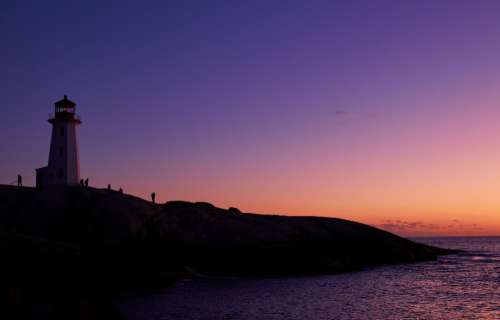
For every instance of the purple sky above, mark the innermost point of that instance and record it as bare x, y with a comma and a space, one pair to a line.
237, 102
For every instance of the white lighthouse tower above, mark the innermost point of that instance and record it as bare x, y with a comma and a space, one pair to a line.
63, 167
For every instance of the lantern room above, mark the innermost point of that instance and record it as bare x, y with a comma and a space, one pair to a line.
65, 105
64, 109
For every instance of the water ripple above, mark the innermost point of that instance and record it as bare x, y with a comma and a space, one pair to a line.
462, 286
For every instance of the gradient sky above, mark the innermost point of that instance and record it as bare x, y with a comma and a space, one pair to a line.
385, 112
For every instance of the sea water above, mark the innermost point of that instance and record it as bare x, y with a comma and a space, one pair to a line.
459, 286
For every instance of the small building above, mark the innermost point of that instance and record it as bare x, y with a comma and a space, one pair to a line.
63, 167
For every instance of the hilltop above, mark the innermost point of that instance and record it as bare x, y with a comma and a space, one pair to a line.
90, 243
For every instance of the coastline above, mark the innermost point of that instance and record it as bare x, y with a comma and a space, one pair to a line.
70, 250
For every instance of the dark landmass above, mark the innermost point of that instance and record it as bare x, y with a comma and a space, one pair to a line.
66, 250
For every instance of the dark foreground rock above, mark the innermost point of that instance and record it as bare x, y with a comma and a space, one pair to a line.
66, 251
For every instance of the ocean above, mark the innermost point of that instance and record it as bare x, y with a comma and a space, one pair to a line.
460, 286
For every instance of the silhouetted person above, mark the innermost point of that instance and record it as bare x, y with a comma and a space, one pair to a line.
87, 183
81, 183
120, 190
109, 187
153, 196
19, 180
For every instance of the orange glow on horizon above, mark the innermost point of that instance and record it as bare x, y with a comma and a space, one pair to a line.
420, 175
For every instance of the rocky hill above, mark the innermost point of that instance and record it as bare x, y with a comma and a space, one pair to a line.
82, 245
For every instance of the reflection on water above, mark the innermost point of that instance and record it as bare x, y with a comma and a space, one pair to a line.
463, 286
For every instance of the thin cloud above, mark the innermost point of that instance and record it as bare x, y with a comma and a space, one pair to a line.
340, 113
418, 227
401, 226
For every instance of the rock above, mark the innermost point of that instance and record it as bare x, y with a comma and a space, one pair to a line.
77, 242
234, 210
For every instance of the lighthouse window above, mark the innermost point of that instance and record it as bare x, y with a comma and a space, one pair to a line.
62, 131
59, 173
61, 151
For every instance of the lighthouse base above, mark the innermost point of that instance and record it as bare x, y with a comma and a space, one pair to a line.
42, 175
49, 176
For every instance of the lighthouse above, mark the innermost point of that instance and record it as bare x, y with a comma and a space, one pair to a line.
63, 167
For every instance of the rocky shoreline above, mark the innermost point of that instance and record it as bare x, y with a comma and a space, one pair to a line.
67, 251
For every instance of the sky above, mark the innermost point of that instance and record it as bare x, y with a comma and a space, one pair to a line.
383, 112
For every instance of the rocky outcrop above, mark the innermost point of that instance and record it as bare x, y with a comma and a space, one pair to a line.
81, 245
